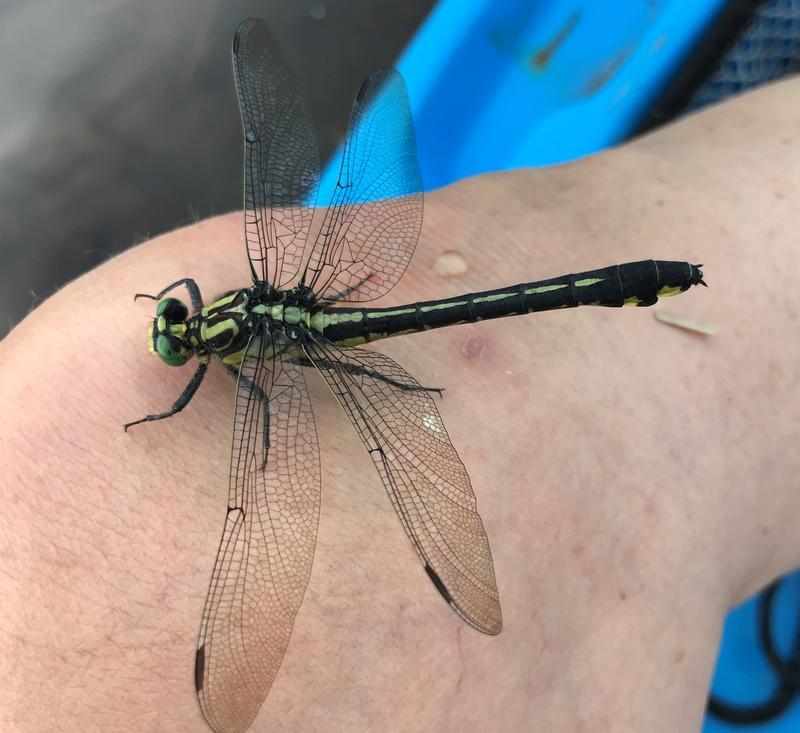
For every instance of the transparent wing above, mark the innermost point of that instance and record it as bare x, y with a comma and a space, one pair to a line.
267, 545
281, 156
374, 219
426, 480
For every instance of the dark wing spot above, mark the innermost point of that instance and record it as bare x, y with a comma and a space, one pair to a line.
437, 581
199, 667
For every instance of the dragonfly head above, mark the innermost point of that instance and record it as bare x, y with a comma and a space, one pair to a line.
167, 337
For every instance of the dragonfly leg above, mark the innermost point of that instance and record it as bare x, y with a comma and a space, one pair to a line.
191, 286
181, 402
359, 371
262, 397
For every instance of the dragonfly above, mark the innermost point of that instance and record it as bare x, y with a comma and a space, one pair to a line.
304, 311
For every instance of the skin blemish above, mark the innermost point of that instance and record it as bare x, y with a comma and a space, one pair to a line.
474, 347
451, 264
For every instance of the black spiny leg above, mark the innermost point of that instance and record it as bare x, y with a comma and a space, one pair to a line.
191, 286
258, 393
357, 370
181, 402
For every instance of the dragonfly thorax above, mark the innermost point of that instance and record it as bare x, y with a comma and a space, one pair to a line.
289, 312
225, 327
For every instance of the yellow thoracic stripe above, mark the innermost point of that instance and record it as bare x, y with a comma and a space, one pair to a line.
221, 303
235, 358
209, 331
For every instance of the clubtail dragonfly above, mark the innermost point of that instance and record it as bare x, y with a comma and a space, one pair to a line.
291, 319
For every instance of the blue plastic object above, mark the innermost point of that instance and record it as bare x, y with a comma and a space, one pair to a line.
743, 675
499, 84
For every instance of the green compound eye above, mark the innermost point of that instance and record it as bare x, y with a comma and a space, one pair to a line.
172, 309
168, 354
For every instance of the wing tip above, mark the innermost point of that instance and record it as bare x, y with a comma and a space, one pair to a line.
492, 627
489, 623
246, 26
495, 627
379, 79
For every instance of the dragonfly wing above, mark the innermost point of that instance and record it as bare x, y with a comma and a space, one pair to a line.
374, 219
267, 546
281, 156
426, 480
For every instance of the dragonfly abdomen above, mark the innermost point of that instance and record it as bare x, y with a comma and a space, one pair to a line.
634, 283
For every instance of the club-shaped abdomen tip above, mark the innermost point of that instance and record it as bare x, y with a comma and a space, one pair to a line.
697, 276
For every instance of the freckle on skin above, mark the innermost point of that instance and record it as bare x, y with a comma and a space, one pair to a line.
623, 596
679, 656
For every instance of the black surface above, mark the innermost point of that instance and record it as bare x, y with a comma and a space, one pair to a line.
700, 63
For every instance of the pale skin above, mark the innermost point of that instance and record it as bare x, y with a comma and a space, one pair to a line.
635, 480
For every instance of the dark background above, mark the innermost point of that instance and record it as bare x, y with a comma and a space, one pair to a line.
119, 118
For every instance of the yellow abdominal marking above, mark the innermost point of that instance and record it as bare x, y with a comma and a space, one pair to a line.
441, 306
385, 314
668, 291
331, 319
494, 298
318, 321
588, 281
545, 288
